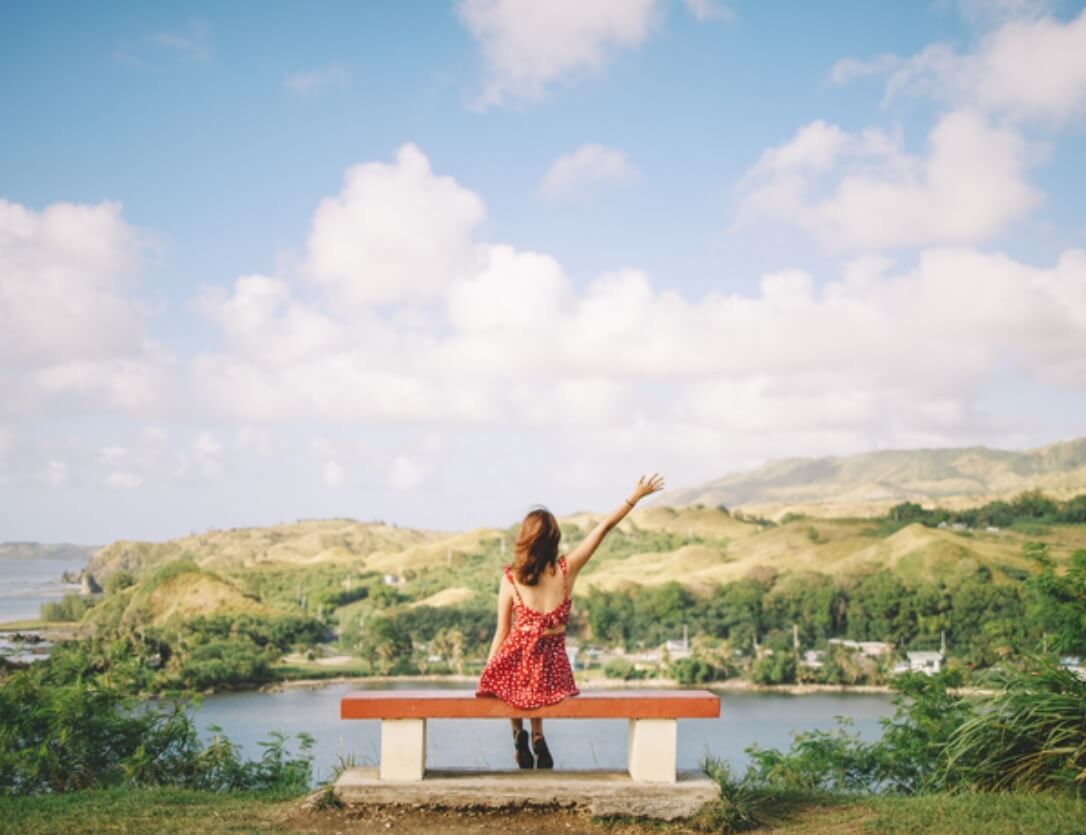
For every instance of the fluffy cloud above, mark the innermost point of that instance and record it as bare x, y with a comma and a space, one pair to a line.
513, 343
405, 473
527, 46
316, 80
70, 331
1030, 68
865, 192
588, 165
706, 10
395, 233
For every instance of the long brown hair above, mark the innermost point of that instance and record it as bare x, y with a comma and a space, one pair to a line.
537, 545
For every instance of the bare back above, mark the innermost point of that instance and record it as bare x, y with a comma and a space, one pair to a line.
548, 593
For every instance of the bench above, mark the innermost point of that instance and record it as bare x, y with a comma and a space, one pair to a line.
651, 738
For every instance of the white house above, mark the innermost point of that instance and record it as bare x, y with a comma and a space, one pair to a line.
929, 662
812, 658
678, 649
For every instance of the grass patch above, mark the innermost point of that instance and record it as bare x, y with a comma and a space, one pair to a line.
163, 810
990, 813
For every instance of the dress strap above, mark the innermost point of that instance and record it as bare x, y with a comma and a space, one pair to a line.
512, 582
565, 576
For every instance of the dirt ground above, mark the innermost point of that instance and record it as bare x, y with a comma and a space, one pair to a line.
430, 822
816, 820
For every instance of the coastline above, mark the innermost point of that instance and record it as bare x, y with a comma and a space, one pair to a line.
734, 685
726, 686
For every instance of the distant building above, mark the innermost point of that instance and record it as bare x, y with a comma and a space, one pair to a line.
1074, 665
393, 580
872, 649
677, 649
929, 662
813, 658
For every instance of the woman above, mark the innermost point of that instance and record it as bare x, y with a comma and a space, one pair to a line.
528, 666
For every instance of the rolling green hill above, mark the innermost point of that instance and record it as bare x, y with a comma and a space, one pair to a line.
867, 484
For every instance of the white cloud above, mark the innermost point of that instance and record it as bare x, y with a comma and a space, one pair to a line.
848, 69
1029, 68
405, 473
590, 164
70, 333
707, 10
193, 41
516, 344
55, 473
396, 233
865, 192
528, 46
333, 475
1000, 11
121, 480
317, 80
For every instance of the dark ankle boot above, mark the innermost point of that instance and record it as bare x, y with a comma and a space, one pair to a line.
524, 755
543, 757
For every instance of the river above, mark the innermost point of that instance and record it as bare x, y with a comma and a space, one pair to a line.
747, 718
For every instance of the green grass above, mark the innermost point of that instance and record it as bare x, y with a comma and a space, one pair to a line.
145, 810
992, 814
183, 811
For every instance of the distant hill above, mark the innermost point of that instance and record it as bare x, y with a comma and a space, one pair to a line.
867, 484
43, 551
179, 591
305, 543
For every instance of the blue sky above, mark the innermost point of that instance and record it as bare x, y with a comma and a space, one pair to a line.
580, 241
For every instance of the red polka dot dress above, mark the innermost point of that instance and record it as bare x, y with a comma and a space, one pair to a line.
530, 668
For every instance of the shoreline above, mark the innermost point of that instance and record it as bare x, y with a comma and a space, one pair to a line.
726, 686
734, 685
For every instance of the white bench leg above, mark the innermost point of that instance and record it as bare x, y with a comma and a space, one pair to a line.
652, 746
403, 749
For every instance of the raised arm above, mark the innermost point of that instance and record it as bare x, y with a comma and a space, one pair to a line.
583, 552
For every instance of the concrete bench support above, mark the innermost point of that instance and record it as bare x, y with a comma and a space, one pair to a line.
403, 749
652, 749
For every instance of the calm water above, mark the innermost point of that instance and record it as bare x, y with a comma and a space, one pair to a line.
26, 584
577, 743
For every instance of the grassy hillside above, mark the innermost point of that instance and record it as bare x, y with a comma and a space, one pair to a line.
293, 566
828, 546
304, 543
175, 593
867, 484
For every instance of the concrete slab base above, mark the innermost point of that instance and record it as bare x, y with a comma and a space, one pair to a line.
603, 793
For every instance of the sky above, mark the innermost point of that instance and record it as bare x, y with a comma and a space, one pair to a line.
434, 263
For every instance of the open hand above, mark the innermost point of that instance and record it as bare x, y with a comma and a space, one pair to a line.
647, 486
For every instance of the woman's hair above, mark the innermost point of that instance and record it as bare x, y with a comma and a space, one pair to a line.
537, 545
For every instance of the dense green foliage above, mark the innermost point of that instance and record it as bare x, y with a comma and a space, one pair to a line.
1031, 509
1030, 735
61, 734
71, 607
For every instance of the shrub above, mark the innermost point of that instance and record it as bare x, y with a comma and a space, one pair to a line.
87, 735
623, 669
71, 607
1030, 737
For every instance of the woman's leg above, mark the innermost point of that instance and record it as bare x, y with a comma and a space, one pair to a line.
543, 758
518, 724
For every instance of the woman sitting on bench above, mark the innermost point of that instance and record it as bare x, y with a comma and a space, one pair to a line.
528, 666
